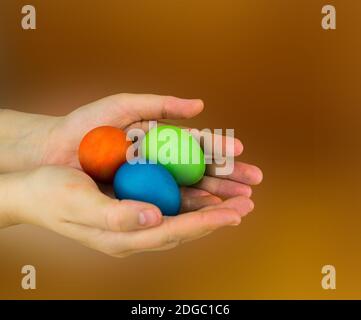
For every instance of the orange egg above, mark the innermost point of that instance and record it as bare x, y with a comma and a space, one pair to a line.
102, 151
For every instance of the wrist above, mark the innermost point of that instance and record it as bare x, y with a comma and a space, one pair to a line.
23, 139
10, 199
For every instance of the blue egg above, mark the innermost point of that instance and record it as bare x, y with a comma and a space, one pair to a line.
148, 182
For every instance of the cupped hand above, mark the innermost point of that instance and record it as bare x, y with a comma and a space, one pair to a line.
67, 201
127, 111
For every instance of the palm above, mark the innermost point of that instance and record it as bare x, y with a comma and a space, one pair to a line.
64, 140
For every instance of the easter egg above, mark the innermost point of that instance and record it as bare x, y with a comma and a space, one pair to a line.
102, 151
148, 182
177, 150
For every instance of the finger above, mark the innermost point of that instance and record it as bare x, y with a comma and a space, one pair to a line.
216, 145
121, 244
93, 238
106, 242
193, 192
223, 188
191, 225
177, 229
169, 234
87, 236
99, 211
221, 146
242, 172
196, 203
242, 205
153, 107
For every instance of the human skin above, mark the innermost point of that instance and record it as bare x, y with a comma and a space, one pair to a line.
42, 182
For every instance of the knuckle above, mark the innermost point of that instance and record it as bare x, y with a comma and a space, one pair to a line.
248, 174
119, 97
113, 220
169, 236
165, 103
137, 244
204, 222
110, 247
221, 186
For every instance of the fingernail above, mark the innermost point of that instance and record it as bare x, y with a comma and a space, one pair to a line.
259, 176
195, 101
236, 223
190, 100
148, 217
251, 205
246, 190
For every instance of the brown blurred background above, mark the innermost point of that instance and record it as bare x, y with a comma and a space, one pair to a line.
290, 89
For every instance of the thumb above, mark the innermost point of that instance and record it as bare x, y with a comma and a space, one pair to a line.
123, 109
154, 107
128, 215
117, 215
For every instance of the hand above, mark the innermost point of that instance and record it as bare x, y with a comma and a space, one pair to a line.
68, 202
128, 111
78, 210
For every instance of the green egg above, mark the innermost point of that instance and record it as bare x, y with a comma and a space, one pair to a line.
177, 150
